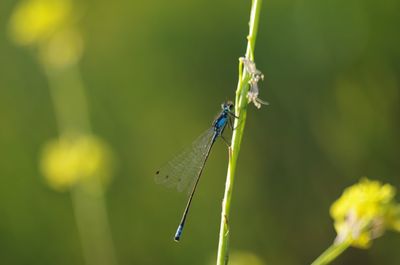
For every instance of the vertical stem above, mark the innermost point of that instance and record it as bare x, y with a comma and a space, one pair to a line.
69, 99
93, 227
240, 111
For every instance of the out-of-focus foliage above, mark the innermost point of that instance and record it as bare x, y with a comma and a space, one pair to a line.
155, 73
244, 258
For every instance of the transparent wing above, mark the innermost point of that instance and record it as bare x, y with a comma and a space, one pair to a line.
181, 172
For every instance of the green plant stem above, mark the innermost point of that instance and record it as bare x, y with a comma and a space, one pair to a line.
70, 104
241, 103
93, 227
331, 253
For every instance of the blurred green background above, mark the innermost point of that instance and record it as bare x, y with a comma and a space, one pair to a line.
155, 73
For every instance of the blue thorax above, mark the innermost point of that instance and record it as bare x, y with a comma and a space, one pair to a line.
220, 122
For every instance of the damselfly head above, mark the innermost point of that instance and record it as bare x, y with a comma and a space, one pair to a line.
227, 106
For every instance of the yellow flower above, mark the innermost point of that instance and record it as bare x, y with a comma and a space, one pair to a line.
81, 159
364, 211
64, 48
48, 25
34, 21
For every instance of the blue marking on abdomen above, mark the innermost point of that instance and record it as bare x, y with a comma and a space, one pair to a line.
178, 233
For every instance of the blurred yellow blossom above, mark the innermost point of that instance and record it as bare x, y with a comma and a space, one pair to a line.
364, 211
80, 159
48, 25
63, 49
34, 21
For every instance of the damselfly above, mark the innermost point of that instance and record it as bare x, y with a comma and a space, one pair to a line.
184, 171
